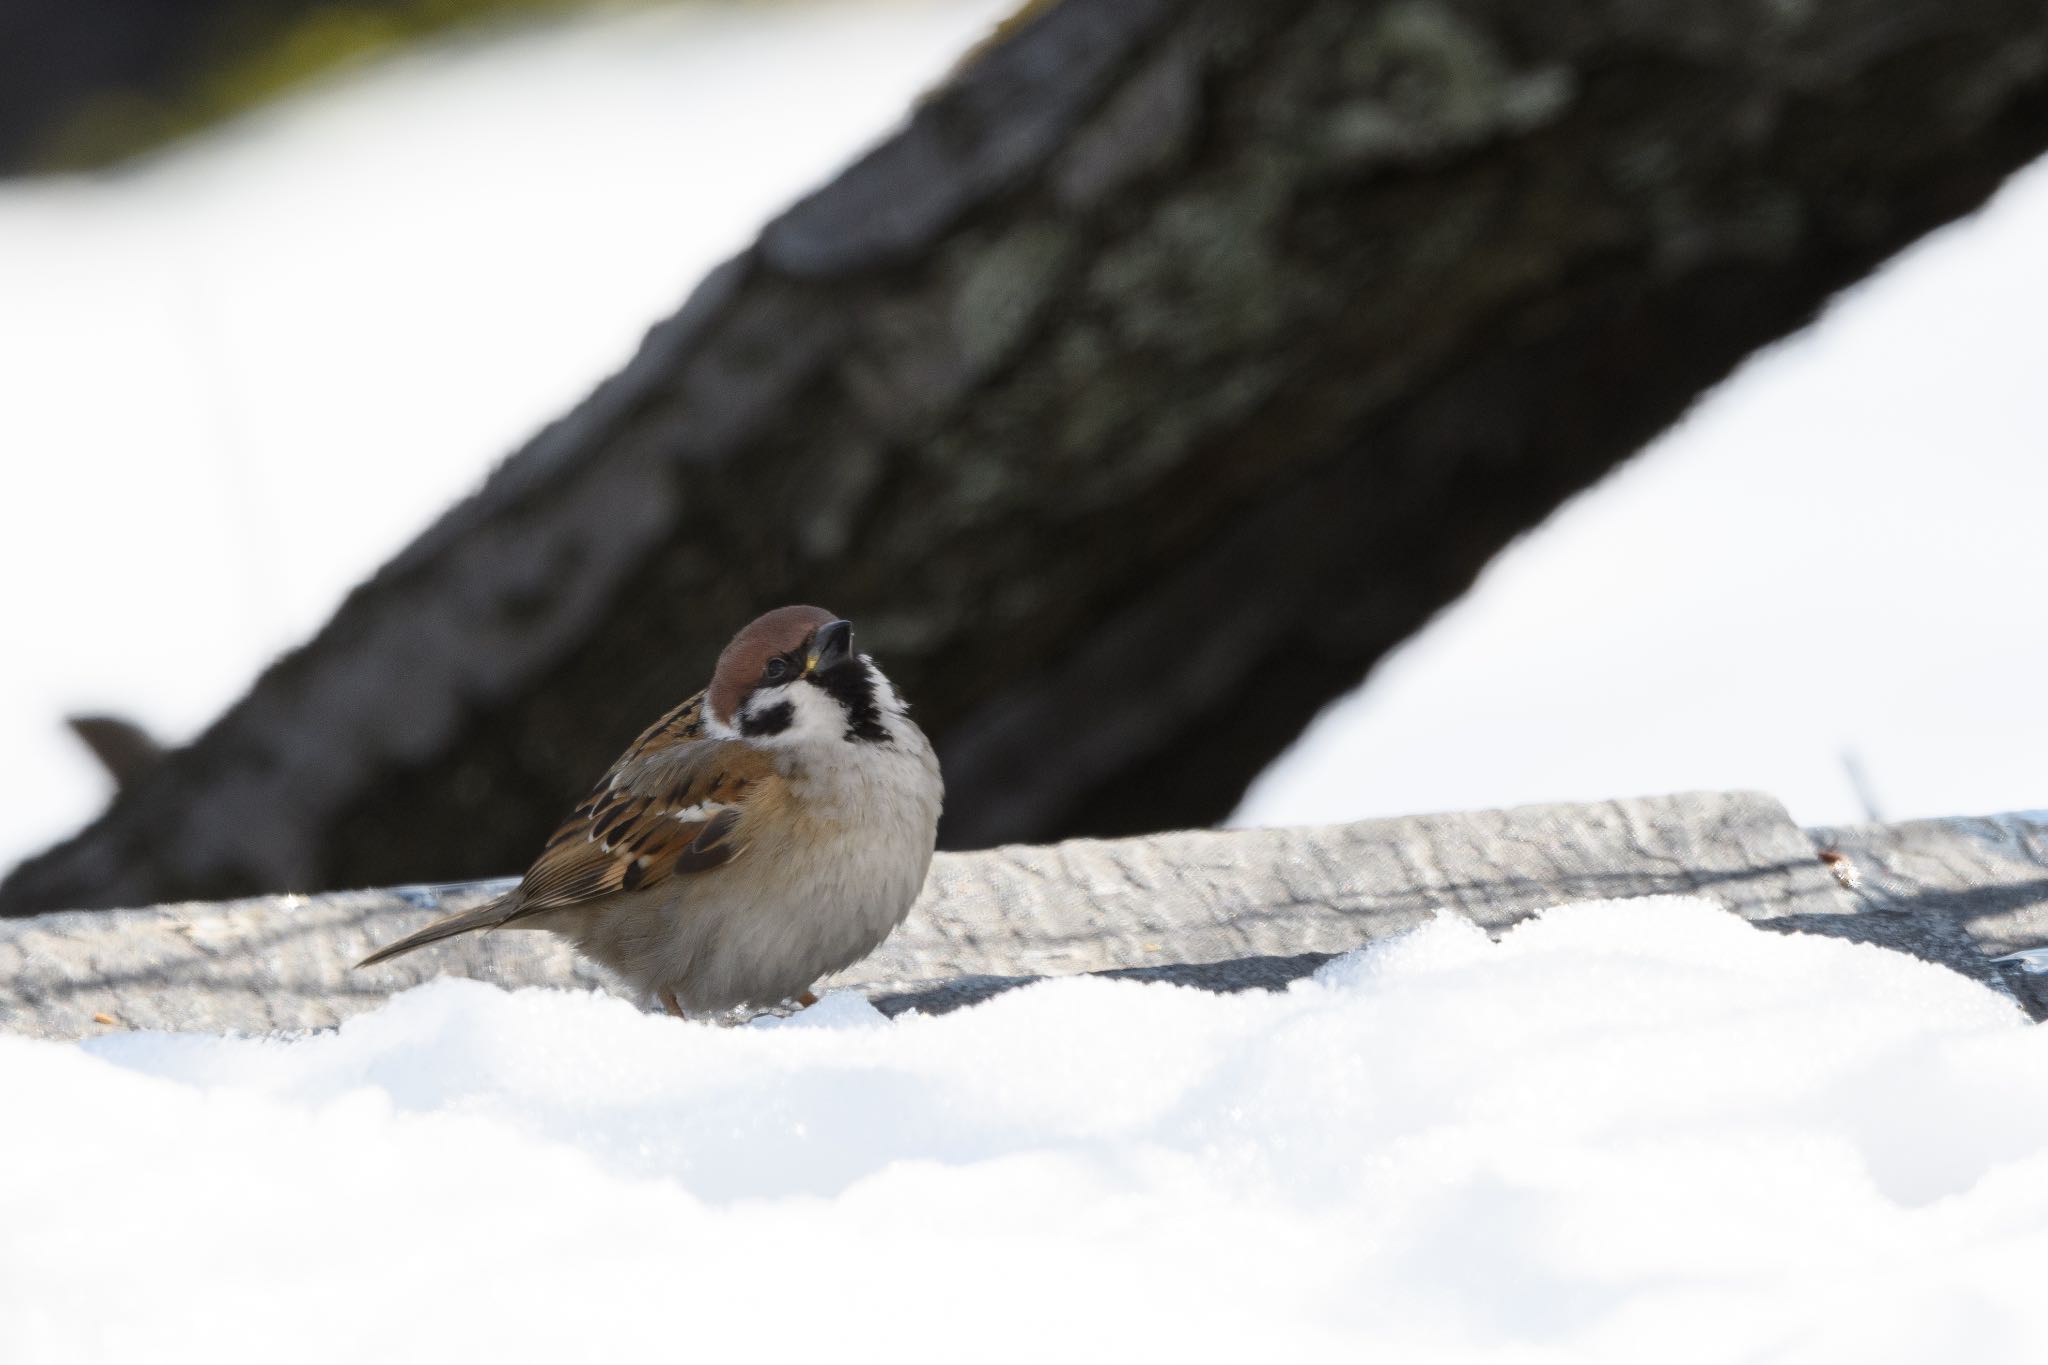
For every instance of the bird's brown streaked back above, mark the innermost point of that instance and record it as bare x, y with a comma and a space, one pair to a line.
673, 812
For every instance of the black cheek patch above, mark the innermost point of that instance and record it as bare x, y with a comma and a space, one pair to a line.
850, 686
772, 721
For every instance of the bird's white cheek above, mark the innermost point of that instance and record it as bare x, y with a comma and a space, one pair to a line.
796, 715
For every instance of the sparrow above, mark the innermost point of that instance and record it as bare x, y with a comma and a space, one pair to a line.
769, 831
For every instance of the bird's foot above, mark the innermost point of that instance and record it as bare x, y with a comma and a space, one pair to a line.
669, 1003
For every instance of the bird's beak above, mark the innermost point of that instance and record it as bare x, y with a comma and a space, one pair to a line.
832, 646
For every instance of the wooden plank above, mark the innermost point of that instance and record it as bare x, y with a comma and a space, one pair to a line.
1224, 909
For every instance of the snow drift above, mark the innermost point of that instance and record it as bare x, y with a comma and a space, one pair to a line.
1625, 1131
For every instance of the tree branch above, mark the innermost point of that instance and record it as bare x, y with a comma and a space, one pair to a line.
1176, 360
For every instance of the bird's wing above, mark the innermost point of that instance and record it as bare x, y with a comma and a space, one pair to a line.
674, 804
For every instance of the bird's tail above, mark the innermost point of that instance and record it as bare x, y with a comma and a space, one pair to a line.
489, 915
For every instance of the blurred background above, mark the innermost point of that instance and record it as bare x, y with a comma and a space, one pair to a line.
280, 284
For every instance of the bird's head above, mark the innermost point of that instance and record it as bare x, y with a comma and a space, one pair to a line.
792, 677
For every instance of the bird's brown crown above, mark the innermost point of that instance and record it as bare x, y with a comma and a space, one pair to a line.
739, 667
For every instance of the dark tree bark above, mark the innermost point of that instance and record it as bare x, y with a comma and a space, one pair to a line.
119, 65
87, 83
1174, 362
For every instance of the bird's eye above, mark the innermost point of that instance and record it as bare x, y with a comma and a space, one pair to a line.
776, 671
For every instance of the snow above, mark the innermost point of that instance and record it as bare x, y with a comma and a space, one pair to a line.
1625, 1131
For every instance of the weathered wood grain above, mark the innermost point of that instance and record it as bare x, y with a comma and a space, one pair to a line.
1220, 909
1959, 891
